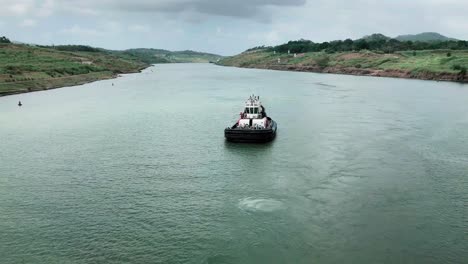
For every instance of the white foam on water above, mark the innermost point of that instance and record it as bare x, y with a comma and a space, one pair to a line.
259, 204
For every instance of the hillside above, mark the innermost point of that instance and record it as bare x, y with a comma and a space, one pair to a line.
374, 55
425, 37
25, 68
376, 37
421, 37
165, 56
427, 64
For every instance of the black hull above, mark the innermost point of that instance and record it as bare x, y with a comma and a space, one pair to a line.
251, 135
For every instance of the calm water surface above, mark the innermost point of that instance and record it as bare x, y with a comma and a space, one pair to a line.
363, 170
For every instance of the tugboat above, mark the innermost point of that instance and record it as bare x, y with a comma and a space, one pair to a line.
253, 126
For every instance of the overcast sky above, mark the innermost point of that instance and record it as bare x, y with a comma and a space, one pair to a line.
222, 26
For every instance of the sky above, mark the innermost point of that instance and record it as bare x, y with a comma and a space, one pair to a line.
221, 26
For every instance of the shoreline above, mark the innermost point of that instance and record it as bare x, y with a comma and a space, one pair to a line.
67, 81
428, 76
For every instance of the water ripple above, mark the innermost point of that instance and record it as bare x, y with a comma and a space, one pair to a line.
260, 204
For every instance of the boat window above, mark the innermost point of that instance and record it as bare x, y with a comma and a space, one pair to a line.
255, 110
246, 110
251, 110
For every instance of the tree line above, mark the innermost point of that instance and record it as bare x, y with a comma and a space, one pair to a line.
382, 45
72, 48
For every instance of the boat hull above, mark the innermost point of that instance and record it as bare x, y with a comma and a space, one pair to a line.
251, 135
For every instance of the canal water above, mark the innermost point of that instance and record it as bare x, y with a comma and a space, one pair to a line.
363, 170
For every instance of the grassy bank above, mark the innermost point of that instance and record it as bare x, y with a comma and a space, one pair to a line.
26, 68
447, 65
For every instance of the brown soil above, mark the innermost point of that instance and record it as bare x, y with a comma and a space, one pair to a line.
454, 77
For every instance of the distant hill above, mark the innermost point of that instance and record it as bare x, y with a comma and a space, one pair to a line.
375, 37
424, 37
421, 37
166, 56
150, 56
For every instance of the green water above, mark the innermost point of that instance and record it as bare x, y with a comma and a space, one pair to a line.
363, 170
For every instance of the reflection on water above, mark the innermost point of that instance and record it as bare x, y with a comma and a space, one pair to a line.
248, 147
260, 204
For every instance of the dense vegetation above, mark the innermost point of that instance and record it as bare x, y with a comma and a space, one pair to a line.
29, 68
74, 48
150, 56
166, 56
373, 44
4, 40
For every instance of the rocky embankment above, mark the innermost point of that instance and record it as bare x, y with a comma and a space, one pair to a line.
436, 76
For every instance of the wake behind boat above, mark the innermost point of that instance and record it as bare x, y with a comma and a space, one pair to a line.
253, 126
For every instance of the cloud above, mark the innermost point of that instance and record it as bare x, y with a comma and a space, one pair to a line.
270, 37
28, 23
457, 24
104, 28
46, 9
225, 26
325, 20
228, 8
16, 8
139, 28
81, 8
239, 8
77, 30
19, 8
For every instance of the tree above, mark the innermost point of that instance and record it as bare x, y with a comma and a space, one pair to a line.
322, 61
376, 44
4, 40
348, 44
463, 71
360, 45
